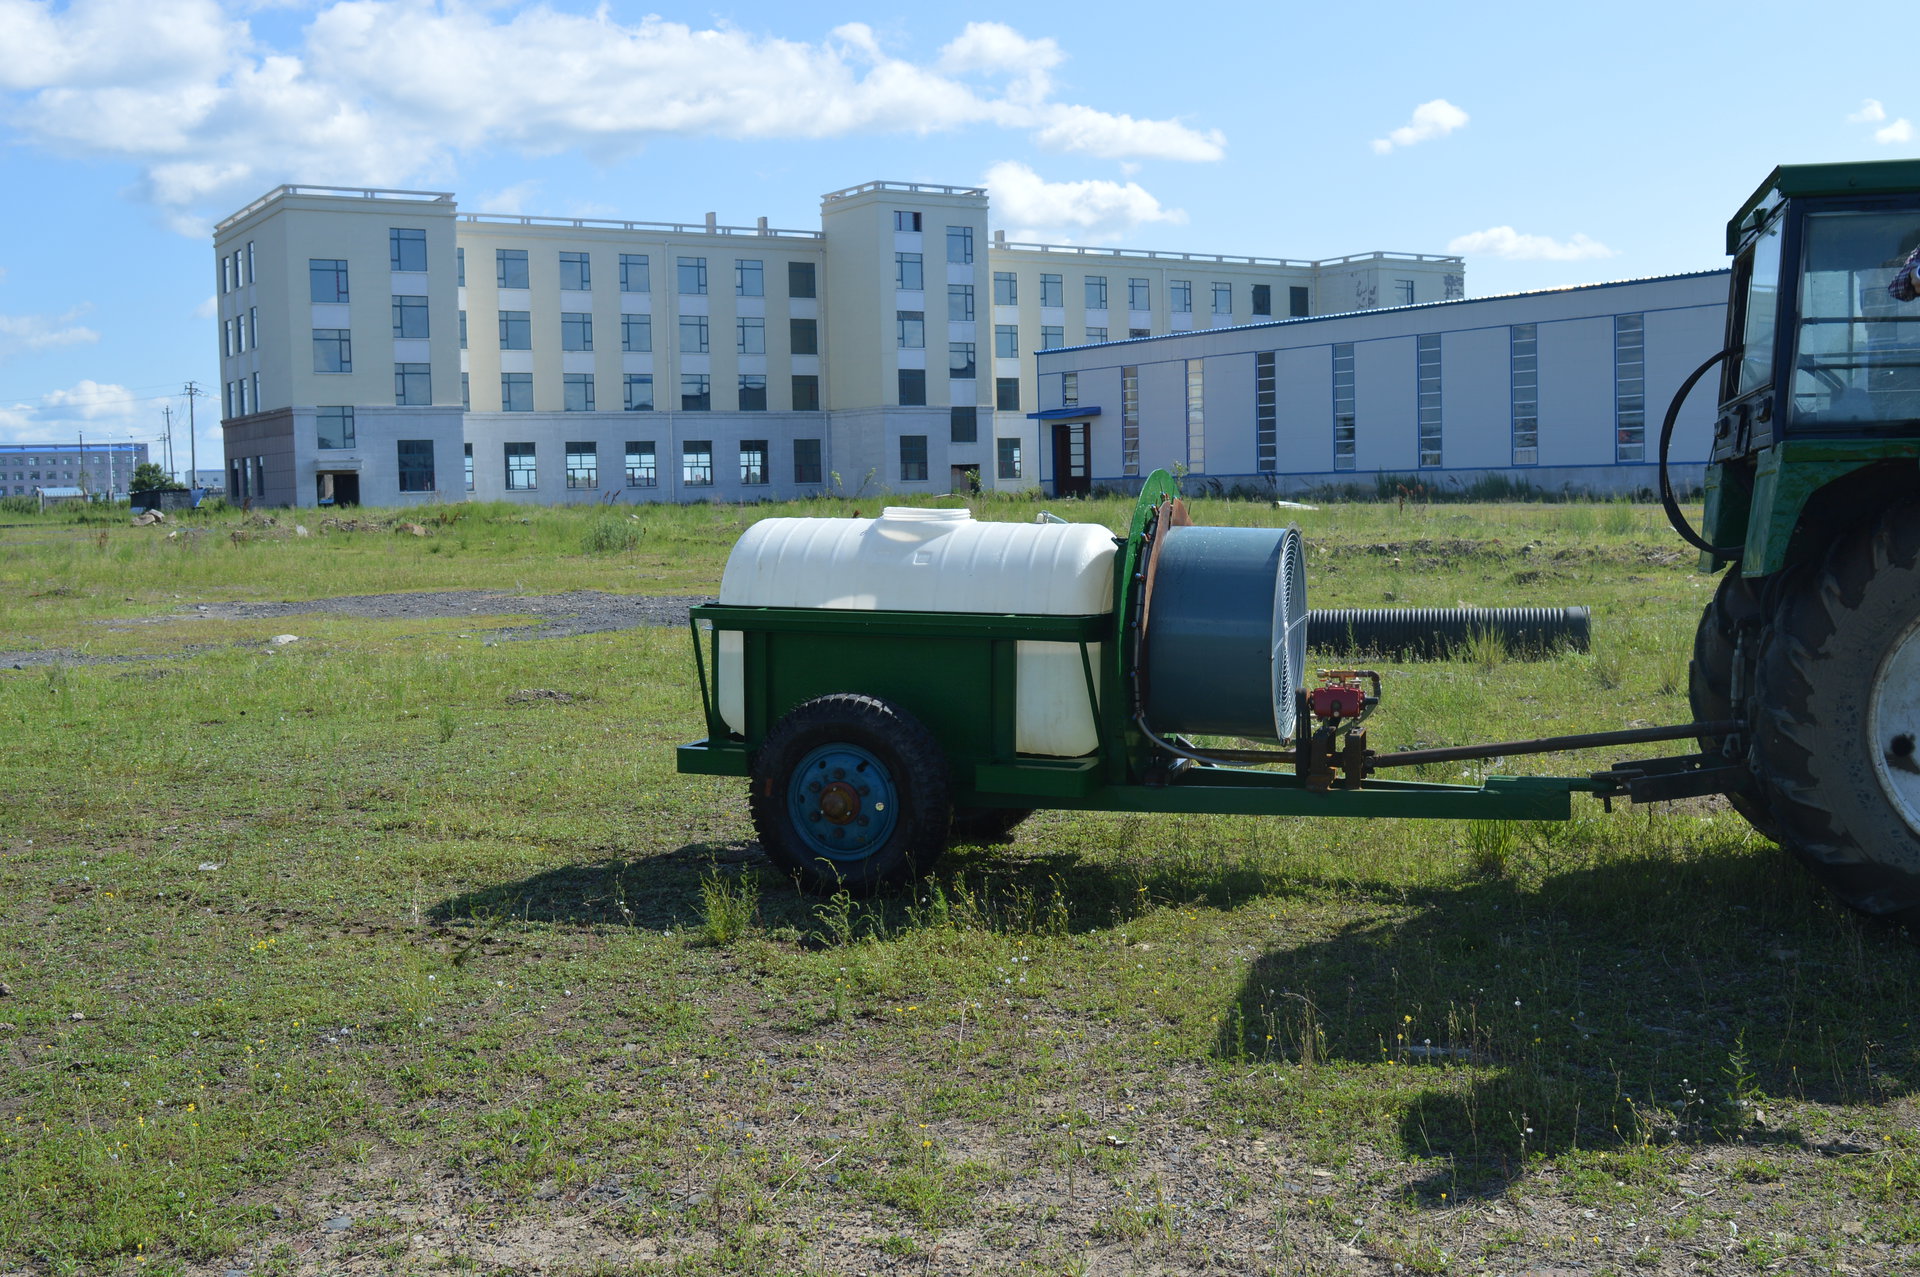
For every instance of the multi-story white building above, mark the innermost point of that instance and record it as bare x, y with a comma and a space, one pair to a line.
380, 346
104, 468
1559, 389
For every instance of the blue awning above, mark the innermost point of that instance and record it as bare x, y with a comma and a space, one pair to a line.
1062, 414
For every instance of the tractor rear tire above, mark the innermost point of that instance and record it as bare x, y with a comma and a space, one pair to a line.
1836, 711
1722, 663
851, 793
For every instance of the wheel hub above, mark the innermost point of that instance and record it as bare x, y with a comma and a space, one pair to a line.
1893, 725
843, 802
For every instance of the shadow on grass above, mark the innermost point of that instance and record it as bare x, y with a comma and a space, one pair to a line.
1613, 1006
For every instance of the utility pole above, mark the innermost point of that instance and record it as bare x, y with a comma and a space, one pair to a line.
166, 411
193, 452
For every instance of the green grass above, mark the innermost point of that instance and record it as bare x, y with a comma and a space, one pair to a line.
340, 932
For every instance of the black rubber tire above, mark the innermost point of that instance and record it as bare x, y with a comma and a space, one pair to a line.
915, 766
1735, 613
986, 826
1832, 631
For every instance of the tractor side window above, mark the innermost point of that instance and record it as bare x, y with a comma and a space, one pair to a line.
1762, 306
1857, 355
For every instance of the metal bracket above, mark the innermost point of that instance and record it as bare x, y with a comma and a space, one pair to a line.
1659, 780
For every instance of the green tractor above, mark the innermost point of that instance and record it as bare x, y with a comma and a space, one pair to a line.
1812, 640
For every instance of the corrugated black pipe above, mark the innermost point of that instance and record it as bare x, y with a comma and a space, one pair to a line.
1427, 633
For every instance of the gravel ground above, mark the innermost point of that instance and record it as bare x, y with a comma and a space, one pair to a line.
560, 616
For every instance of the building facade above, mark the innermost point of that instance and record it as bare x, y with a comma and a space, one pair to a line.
382, 347
1559, 389
105, 469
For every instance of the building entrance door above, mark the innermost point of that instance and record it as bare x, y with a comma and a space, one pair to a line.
336, 488
1070, 475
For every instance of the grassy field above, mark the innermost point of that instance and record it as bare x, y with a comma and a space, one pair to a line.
341, 957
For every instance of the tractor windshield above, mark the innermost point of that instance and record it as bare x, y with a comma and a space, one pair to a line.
1857, 352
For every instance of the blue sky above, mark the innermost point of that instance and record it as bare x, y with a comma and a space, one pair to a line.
1549, 144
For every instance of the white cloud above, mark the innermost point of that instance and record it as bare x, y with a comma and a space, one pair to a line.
1507, 243
1430, 120
88, 407
208, 309
92, 401
34, 333
390, 92
1901, 130
1870, 112
1100, 209
513, 199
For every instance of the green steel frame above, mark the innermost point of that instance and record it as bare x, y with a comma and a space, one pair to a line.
957, 672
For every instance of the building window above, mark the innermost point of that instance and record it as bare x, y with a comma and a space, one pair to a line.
696, 392
1009, 458
249, 266
416, 464
1223, 299
1266, 408
1006, 394
1139, 332
576, 330
516, 392
1196, 416
1299, 301
463, 330
510, 267
1403, 291
960, 303
960, 245
1006, 291
1052, 290
693, 334
253, 328
1139, 294
332, 350
910, 329
749, 278
1006, 341
407, 250
576, 272
516, 330
753, 392
692, 276
577, 388
806, 392
333, 426
913, 387
635, 276
750, 335
696, 463
636, 332
583, 465
960, 362
466, 393
413, 385
1263, 299
1130, 420
806, 461
803, 336
1427, 372
521, 474
913, 458
963, 425
1345, 432
226, 273
639, 392
753, 462
1095, 335
905, 220
800, 279
909, 273
1630, 387
326, 279
1180, 296
1069, 390
642, 472
1052, 336
460, 278
409, 317
1524, 365
226, 338
466, 461
1096, 289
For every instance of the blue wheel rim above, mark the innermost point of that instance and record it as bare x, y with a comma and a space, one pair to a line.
843, 803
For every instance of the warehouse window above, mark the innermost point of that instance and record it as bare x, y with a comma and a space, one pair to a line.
1403, 291
516, 330
800, 279
332, 350
409, 317
466, 393
960, 245
803, 336
696, 463
1427, 372
576, 272
642, 472
1263, 299
407, 250
1223, 299
960, 360
806, 392
1130, 420
749, 278
1180, 296
692, 273
578, 391
1006, 341
1052, 336
1096, 292
693, 334
576, 330
1053, 290
636, 332
750, 335
1096, 335
963, 425
753, 462
639, 392
1069, 390
1299, 301
1630, 387
1009, 458
466, 463
1345, 432
416, 464
463, 330
905, 220
910, 329
913, 458
635, 276
413, 385
909, 273
516, 392
1196, 416
1266, 452
753, 392
326, 279
1006, 290
333, 426
960, 303
510, 267
696, 392
1524, 365
913, 387
521, 475
460, 272
583, 465
806, 461
1139, 294
1006, 394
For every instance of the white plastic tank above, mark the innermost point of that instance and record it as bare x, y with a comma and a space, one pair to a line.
919, 560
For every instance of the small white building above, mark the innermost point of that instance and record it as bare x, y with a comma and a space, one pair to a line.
1562, 389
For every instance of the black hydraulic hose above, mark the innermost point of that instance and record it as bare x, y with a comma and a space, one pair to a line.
1430, 632
1675, 518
